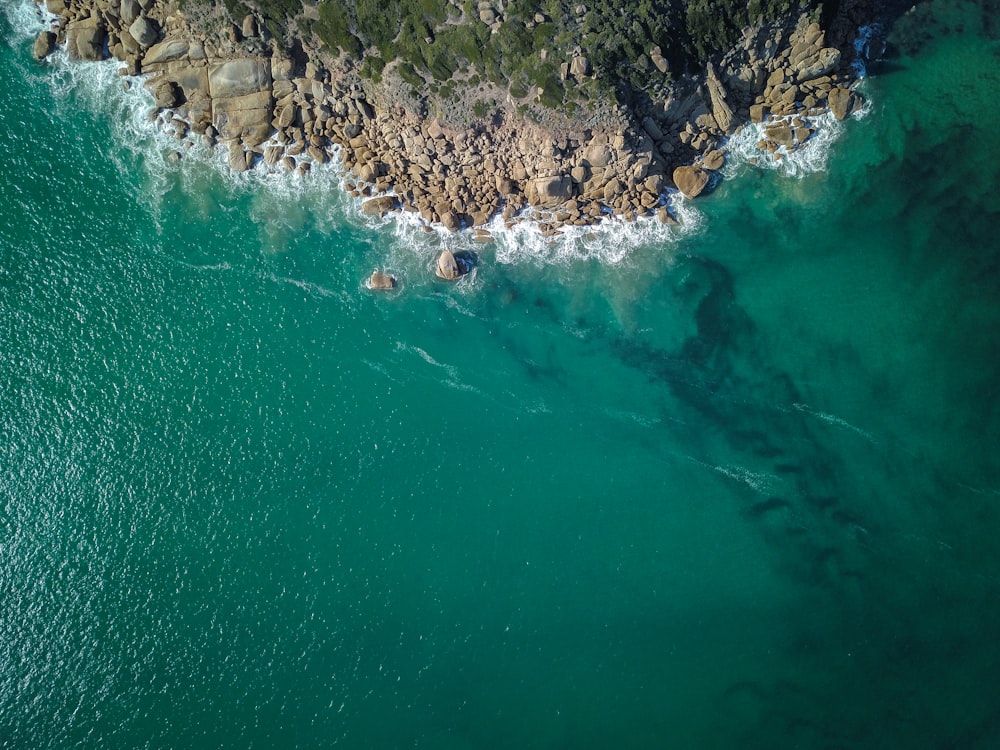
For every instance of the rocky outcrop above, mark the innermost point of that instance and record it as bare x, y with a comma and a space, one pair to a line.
288, 108
720, 108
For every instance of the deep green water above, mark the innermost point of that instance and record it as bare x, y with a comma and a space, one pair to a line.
735, 487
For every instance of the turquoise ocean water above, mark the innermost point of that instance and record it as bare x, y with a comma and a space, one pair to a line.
729, 485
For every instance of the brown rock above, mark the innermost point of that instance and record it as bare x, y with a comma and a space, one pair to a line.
664, 216
378, 206
239, 160
450, 220
166, 94
579, 67
246, 117
714, 159
249, 27
240, 77
721, 111
819, 64
781, 134
690, 180
548, 192
85, 39
839, 101
381, 281
44, 44
447, 266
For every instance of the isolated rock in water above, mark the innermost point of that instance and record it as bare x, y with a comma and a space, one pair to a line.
690, 180
44, 44
380, 280
447, 266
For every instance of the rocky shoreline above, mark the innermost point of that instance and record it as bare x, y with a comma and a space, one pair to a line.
289, 106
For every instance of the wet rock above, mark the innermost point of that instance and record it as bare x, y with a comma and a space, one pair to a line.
378, 206
447, 266
239, 159
839, 101
714, 159
166, 94
381, 281
781, 134
691, 180
44, 45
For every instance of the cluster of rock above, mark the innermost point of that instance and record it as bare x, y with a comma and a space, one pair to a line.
292, 107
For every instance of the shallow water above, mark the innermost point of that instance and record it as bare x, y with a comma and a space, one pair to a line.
730, 485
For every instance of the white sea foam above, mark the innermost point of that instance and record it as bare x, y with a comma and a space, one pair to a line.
26, 18
834, 420
611, 242
865, 35
147, 146
808, 158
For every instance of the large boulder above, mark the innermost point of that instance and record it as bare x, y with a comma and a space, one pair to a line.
721, 110
781, 133
239, 77
239, 159
166, 94
597, 154
129, 11
166, 51
579, 67
447, 266
819, 64
380, 280
839, 101
44, 45
144, 31
691, 180
549, 192
378, 206
244, 117
85, 39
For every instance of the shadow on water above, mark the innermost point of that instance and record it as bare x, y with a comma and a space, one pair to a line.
722, 373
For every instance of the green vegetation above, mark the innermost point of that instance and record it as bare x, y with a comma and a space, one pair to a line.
527, 46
